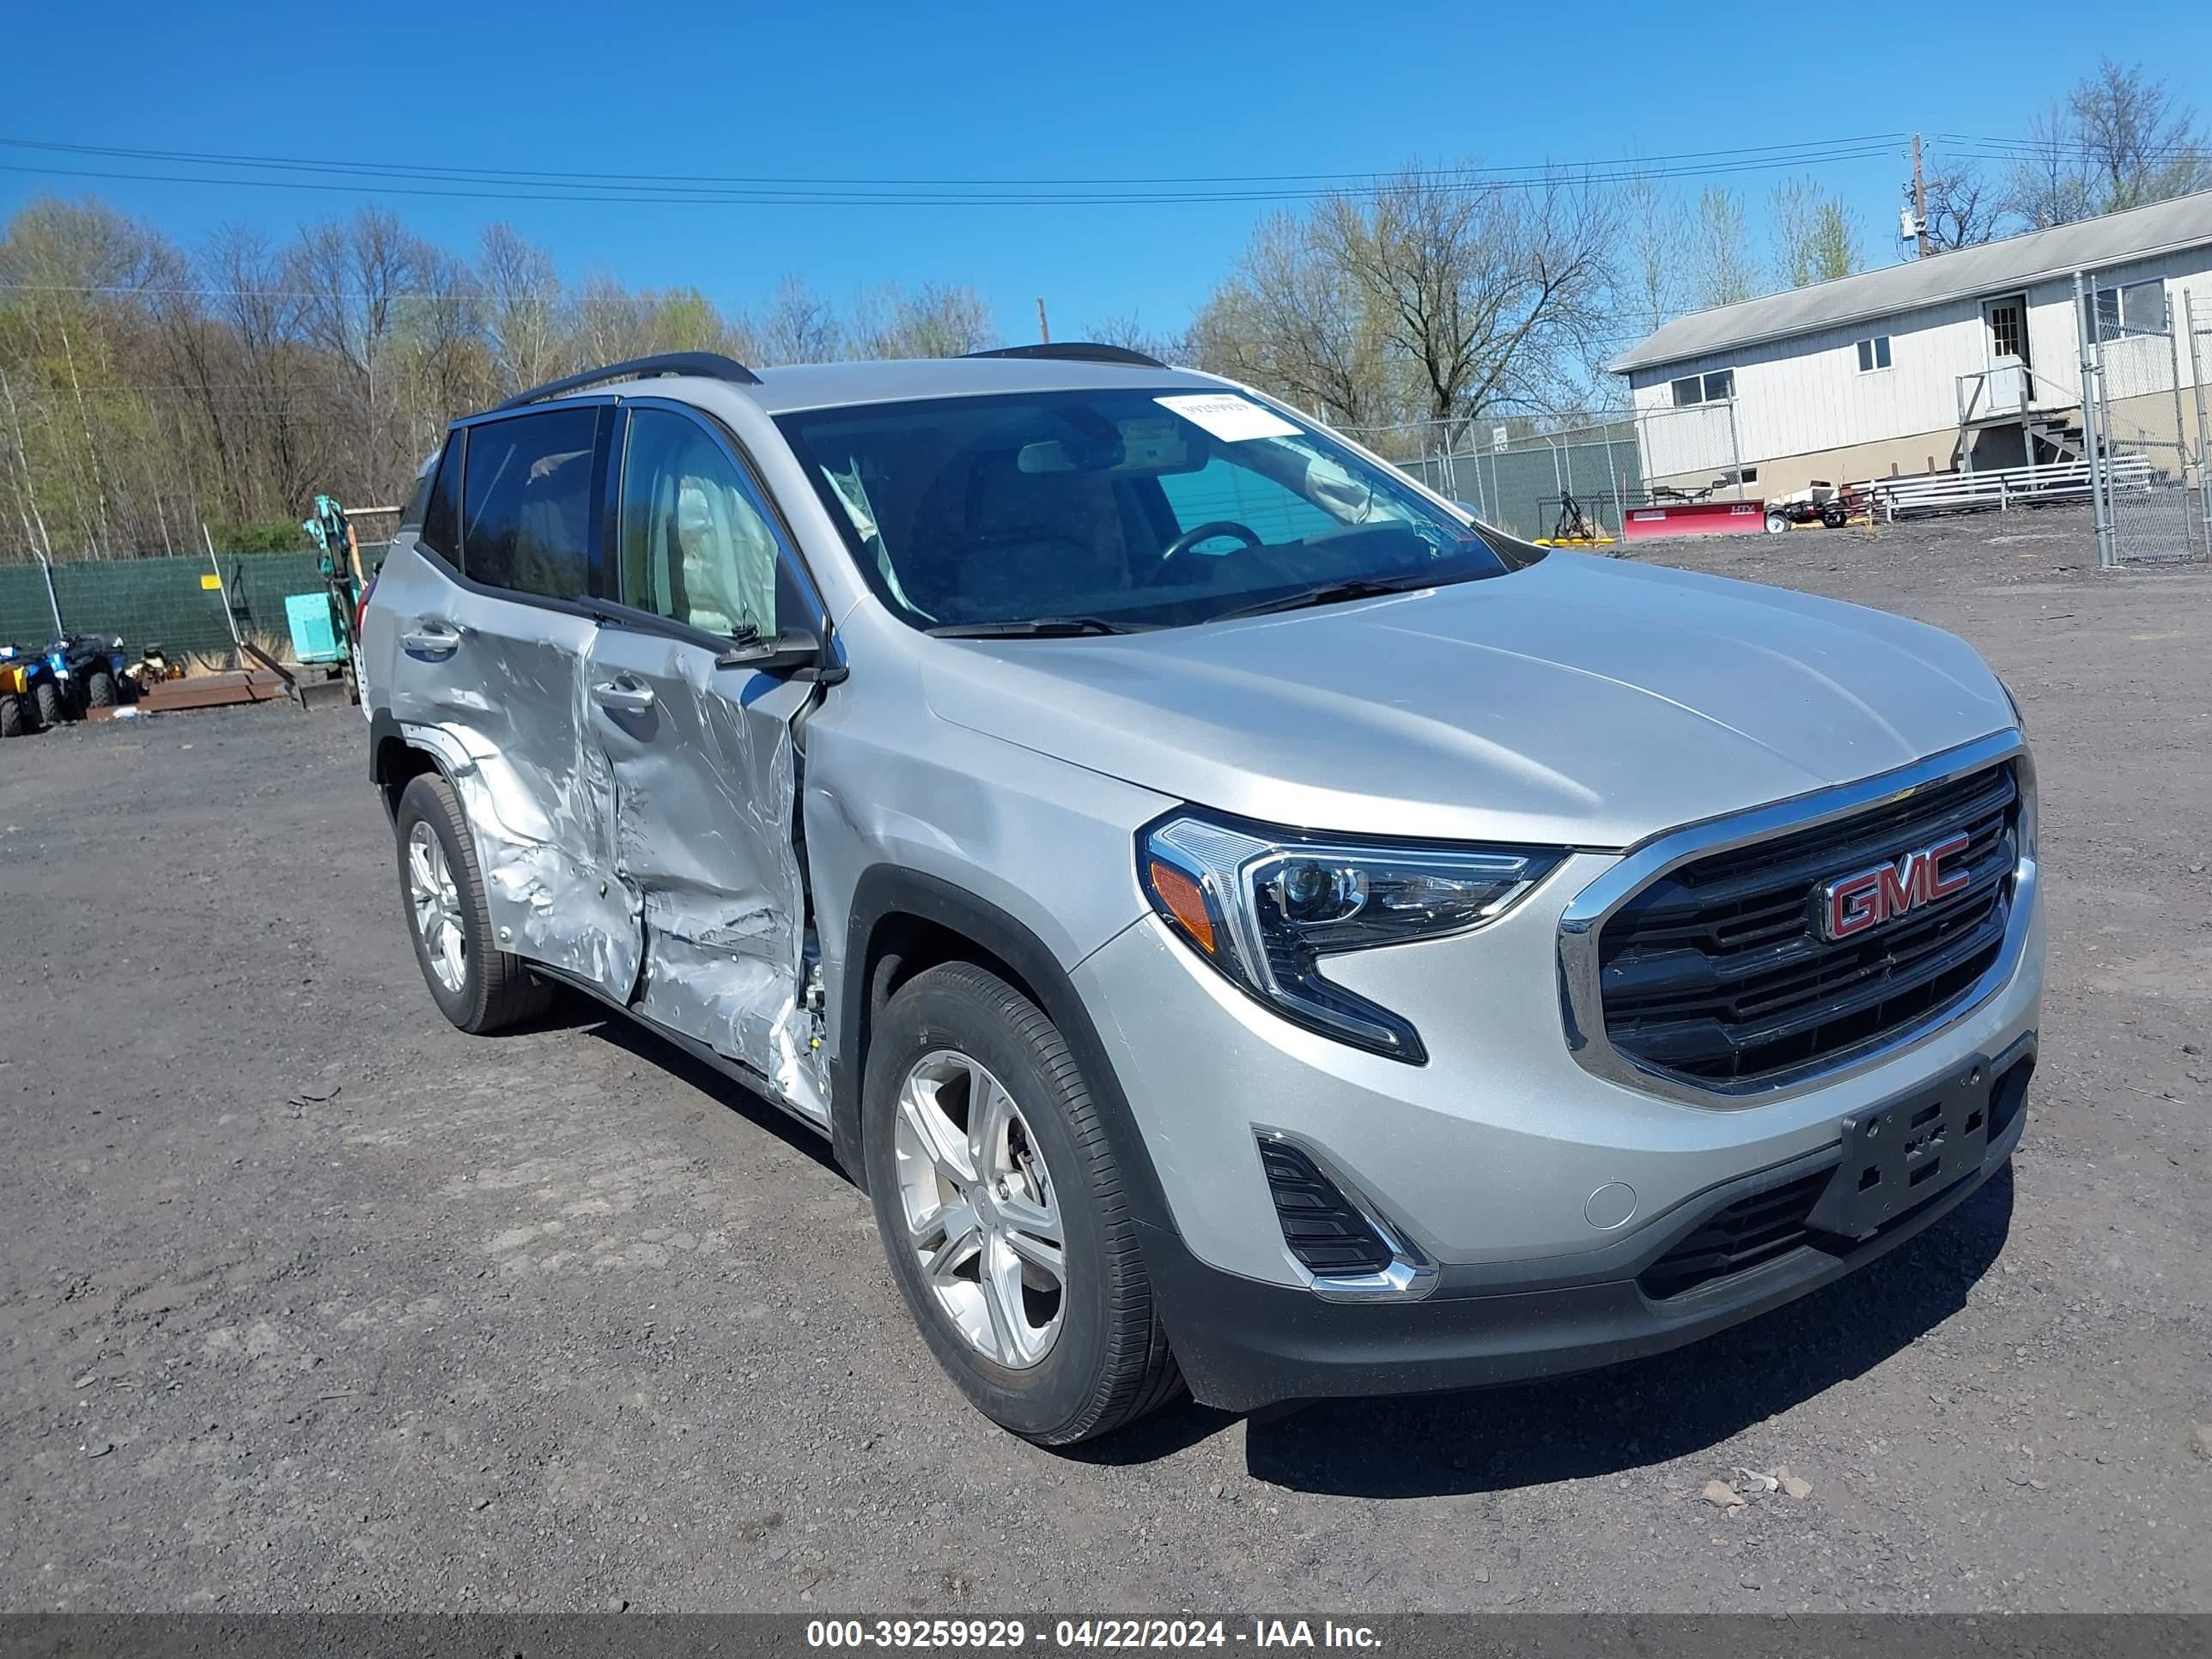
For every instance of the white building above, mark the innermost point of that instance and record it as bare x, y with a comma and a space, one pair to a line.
1968, 360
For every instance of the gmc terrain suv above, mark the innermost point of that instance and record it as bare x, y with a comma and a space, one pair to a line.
1245, 924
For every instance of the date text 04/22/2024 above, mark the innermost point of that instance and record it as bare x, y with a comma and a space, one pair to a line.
1086, 1633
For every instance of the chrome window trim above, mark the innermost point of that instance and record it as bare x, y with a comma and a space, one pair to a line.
1581, 1004
1411, 1274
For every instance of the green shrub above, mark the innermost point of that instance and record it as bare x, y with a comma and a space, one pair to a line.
277, 536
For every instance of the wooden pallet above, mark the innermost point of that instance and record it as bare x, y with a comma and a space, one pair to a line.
212, 691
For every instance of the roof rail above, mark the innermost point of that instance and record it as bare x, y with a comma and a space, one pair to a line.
710, 365
1076, 351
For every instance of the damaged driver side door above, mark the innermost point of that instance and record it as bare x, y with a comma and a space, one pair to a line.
701, 762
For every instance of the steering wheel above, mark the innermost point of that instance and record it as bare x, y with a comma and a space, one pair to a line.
1208, 531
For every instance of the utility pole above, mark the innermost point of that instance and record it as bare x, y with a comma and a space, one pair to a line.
1044, 331
1920, 201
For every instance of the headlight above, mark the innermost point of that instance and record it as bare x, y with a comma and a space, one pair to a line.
1268, 908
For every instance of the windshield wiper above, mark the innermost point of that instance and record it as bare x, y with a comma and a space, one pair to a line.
1354, 587
1032, 627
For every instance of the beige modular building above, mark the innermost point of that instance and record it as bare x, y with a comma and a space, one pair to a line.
1965, 360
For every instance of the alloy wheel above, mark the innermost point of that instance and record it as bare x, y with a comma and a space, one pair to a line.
437, 905
981, 1216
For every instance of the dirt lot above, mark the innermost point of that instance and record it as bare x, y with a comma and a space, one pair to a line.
307, 1300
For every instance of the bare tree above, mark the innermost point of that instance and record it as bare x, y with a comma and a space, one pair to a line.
1655, 280
1291, 320
1127, 333
1965, 208
1814, 239
2049, 182
442, 357
522, 300
935, 320
2142, 144
799, 325
353, 276
1722, 271
2120, 140
1493, 295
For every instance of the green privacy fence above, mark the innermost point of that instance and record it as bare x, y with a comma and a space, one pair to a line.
157, 600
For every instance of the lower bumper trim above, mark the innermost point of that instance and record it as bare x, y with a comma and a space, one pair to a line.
1242, 1344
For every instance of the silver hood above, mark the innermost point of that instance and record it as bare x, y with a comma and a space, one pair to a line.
1580, 701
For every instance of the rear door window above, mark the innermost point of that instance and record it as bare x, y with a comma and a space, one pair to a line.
526, 502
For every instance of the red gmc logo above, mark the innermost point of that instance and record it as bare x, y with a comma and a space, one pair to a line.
1851, 904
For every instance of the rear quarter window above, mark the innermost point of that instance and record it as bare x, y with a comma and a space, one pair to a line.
441, 507
410, 517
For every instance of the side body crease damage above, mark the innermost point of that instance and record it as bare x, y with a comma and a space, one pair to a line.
690, 908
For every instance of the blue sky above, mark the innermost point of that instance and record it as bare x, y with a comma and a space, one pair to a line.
991, 92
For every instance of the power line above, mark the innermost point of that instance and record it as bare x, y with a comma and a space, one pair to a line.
1769, 154
406, 179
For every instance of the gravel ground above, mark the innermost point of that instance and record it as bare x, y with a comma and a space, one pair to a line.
309, 1301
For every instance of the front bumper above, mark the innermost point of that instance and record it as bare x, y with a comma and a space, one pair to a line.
1243, 1343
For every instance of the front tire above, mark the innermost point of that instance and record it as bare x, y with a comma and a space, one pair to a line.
1002, 1209
1778, 523
477, 986
99, 690
47, 697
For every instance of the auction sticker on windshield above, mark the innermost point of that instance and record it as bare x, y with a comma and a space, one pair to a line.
1227, 417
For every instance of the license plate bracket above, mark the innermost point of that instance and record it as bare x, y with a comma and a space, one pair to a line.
1903, 1152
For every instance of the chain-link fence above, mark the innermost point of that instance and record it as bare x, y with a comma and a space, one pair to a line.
2196, 332
1570, 484
2149, 483
1577, 481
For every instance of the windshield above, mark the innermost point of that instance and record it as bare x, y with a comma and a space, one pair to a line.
1116, 509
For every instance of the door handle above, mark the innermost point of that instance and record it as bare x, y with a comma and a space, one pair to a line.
431, 637
623, 696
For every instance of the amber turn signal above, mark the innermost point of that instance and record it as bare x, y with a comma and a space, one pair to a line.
1185, 902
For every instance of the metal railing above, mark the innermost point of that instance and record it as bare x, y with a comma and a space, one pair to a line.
1981, 394
2007, 487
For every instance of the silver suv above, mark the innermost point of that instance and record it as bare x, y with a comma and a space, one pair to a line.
1245, 924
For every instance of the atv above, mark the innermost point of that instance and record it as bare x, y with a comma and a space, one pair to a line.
87, 672
16, 712
35, 686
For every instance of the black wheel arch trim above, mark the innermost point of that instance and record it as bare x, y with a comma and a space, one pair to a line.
382, 730
384, 734
886, 892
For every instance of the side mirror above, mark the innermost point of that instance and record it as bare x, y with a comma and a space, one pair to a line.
794, 652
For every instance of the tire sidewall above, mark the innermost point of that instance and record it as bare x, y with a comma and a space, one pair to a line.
428, 800
938, 1012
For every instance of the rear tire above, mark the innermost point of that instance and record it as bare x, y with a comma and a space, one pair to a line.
99, 690
477, 986
953, 1039
11, 715
47, 697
